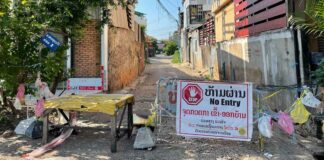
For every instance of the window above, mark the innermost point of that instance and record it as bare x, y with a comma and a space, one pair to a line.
196, 14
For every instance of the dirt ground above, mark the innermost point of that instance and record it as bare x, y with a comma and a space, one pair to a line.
95, 144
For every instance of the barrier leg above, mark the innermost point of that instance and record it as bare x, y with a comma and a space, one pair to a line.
45, 129
113, 147
129, 120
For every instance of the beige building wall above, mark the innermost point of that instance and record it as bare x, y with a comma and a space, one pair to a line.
224, 20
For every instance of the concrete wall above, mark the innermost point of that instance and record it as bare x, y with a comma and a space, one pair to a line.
126, 57
195, 50
200, 55
265, 59
183, 48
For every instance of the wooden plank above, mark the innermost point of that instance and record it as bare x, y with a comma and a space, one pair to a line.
242, 33
45, 129
272, 12
242, 14
262, 5
237, 1
256, 7
243, 5
113, 132
240, 7
130, 119
270, 25
242, 23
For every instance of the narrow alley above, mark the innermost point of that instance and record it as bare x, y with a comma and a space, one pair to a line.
162, 80
169, 146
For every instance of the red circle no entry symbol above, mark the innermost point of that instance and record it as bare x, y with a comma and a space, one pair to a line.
192, 94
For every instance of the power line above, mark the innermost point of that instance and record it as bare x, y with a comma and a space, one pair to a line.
170, 2
167, 11
164, 28
170, 5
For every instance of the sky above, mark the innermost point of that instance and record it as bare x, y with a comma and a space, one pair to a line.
159, 24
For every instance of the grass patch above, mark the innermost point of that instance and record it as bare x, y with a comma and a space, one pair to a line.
176, 57
208, 77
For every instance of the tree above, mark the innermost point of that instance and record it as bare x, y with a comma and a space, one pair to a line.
319, 74
312, 19
154, 43
170, 47
312, 22
22, 26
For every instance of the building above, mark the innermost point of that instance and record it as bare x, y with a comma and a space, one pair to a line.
194, 14
111, 59
253, 42
140, 18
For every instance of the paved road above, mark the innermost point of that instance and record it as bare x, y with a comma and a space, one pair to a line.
89, 145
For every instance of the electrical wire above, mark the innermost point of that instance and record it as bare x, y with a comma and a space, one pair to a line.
167, 11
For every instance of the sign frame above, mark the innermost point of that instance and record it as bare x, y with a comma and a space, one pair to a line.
188, 127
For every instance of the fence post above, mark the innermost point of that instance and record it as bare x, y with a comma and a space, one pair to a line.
261, 139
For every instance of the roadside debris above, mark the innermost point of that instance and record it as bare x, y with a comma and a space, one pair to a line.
30, 127
144, 139
7, 134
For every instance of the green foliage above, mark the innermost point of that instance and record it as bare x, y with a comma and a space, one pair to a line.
4, 119
21, 27
20, 32
176, 57
208, 77
312, 20
319, 74
170, 48
154, 43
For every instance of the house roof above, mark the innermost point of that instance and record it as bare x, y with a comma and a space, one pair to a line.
140, 14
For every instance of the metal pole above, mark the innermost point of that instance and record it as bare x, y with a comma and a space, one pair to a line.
261, 139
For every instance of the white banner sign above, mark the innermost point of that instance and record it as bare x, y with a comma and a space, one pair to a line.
85, 84
215, 110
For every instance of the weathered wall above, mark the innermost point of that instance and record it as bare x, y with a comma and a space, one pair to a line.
265, 59
119, 17
195, 50
184, 49
86, 58
126, 57
224, 22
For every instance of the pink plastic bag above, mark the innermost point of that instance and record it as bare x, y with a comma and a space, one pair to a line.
39, 109
286, 123
21, 92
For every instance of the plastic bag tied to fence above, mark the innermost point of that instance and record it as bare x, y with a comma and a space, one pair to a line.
286, 123
299, 113
43, 92
39, 109
20, 97
310, 101
265, 126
